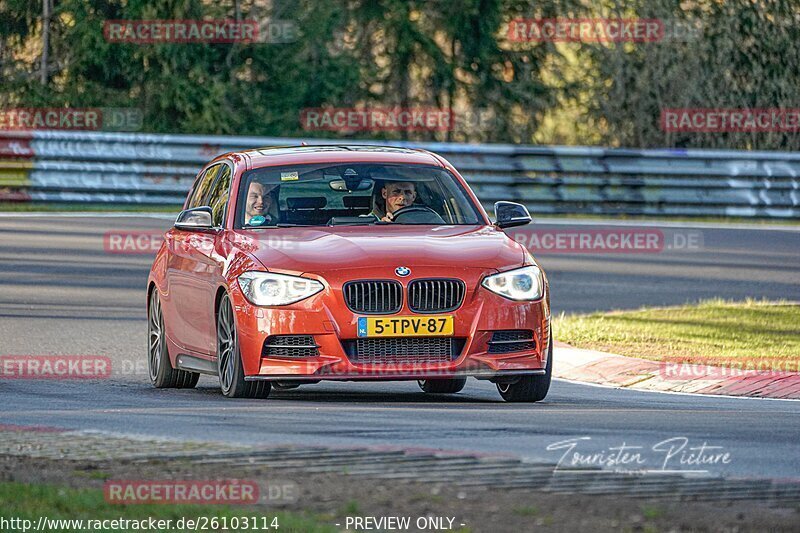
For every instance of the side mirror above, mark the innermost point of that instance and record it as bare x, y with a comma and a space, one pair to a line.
510, 214
198, 218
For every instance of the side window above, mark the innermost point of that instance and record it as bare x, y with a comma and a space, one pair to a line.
202, 188
218, 199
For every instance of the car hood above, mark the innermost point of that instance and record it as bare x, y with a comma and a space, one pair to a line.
322, 249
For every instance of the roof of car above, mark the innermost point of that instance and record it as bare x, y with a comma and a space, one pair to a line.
335, 153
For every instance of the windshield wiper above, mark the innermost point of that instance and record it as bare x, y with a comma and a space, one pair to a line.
281, 225
353, 220
351, 224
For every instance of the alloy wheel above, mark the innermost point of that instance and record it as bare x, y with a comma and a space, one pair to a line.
155, 333
226, 345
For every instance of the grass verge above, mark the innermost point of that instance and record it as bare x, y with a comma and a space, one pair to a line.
32, 501
750, 334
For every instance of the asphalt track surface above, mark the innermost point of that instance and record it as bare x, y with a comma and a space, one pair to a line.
62, 293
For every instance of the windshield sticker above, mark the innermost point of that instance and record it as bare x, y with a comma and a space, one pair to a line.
289, 176
257, 220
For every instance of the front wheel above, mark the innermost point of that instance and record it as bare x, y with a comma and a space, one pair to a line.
442, 386
229, 358
529, 388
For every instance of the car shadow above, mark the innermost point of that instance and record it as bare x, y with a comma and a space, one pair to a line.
307, 394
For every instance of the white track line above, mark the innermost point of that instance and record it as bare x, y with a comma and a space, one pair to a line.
101, 214
538, 220
662, 224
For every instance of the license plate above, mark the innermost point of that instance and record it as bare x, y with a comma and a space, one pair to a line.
405, 326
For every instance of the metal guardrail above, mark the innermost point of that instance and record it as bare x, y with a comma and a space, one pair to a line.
151, 169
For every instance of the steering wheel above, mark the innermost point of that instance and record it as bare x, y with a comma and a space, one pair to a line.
417, 214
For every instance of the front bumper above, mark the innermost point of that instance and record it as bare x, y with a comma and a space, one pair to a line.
326, 317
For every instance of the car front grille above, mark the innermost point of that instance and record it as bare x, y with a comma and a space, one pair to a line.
290, 346
378, 297
435, 295
404, 350
512, 340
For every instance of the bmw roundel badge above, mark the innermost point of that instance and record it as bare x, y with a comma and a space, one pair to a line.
402, 271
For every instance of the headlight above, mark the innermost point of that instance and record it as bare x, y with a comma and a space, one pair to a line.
524, 283
266, 288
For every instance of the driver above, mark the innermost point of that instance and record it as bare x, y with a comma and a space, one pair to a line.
395, 195
260, 203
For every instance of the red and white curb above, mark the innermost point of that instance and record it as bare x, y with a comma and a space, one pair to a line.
576, 364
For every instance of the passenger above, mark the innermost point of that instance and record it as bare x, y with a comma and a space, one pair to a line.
261, 202
394, 195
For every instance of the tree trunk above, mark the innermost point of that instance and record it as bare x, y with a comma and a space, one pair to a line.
45, 38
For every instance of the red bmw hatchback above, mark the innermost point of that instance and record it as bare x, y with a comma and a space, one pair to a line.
289, 266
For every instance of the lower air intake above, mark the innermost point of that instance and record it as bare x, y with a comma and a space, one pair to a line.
290, 346
512, 340
404, 350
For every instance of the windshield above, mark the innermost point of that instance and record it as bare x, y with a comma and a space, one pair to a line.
352, 194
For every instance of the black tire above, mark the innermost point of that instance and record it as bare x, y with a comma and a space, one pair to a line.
529, 388
229, 358
442, 386
162, 374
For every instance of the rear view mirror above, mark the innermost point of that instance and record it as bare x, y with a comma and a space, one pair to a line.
350, 185
197, 218
510, 214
